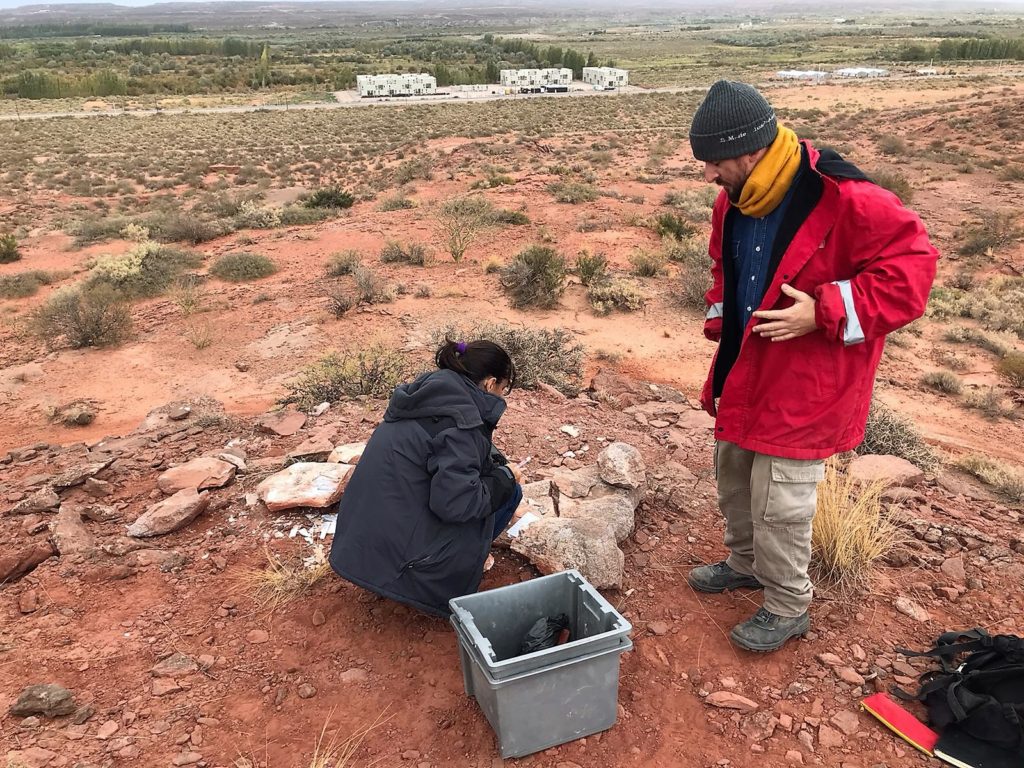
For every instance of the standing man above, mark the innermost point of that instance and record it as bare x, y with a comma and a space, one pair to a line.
813, 265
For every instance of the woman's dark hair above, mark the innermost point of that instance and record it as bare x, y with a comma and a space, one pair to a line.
477, 360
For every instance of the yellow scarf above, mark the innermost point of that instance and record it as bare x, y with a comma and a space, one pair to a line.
771, 177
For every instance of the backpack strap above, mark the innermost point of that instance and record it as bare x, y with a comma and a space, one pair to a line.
947, 648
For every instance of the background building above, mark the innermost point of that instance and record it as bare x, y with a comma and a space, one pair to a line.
536, 80
605, 77
396, 85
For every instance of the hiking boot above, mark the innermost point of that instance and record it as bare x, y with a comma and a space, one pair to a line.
720, 577
764, 631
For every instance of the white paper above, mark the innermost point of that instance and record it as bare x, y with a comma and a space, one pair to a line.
522, 524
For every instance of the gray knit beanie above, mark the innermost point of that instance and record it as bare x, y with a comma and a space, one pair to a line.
733, 120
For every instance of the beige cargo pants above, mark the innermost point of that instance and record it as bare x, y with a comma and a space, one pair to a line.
769, 504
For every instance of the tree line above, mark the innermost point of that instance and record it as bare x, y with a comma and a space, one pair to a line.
961, 49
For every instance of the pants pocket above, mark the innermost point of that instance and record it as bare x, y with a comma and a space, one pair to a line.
793, 490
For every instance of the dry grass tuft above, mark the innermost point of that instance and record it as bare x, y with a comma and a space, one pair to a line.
1006, 479
281, 581
335, 752
851, 531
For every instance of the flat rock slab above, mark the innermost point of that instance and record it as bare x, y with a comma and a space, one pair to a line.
48, 699
316, 448
617, 512
577, 484
305, 484
890, 470
170, 514
78, 475
69, 532
558, 544
622, 465
198, 474
15, 565
43, 500
350, 453
175, 665
283, 423
731, 700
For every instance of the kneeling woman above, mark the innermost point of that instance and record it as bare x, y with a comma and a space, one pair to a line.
430, 492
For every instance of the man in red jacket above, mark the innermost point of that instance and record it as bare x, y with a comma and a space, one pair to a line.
813, 265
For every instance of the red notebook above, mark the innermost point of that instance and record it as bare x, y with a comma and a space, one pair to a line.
901, 722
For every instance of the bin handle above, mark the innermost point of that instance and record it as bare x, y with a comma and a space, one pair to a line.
465, 618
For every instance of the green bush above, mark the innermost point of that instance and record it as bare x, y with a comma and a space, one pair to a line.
492, 181
330, 197
371, 372
9, 250
251, 215
461, 221
396, 203
89, 231
573, 192
23, 284
1011, 368
694, 204
943, 381
672, 225
186, 228
892, 145
540, 355
890, 434
535, 278
343, 263
89, 316
242, 266
340, 302
148, 269
371, 289
896, 183
591, 269
647, 263
515, 218
994, 230
300, 216
610, 295
413, 253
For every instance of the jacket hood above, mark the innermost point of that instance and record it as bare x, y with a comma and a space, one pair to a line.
445, 393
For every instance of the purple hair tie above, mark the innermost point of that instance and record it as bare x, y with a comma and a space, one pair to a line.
461, 347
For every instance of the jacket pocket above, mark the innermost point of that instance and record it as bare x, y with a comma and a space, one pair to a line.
793, 490
432, 558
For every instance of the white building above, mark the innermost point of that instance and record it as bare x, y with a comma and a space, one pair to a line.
536, 80
801, 74
607, 78
862, 72
371, 86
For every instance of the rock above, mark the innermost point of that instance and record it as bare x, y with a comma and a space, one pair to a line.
619, 390
570, 430
78, 475
15, 565
28, 601
257, 636
558, 544
48, 699
175, 665
952, 594
622, 465
849, 675
43, 500
170, 514
69, 532
353, 676
890, 470
577, 484
179, 412
759, 727
829, 737
659, 627
317, 448
306, 484
107, 730
320, 409
169, 558
197, 474
318, 618
78, 414
350, 453
617, 511
953, 568
99, 513
846, 721
284, 423
306, 691
231, 458
830, 660
187, 758
793, 757
909, 608
165, 685
731, 700
30, 757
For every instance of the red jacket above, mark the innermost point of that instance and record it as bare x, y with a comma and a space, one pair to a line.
869, 264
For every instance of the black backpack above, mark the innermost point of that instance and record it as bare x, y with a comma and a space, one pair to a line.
983, 695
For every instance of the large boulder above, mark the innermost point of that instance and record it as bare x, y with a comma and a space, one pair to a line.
305, 484
622, 465
197, 474
617, 511
586, 544
890, 470
170, 514
47, 699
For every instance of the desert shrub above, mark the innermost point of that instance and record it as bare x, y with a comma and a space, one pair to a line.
178, 227
492, 266
372, 372
1011, 368
896, 183
951, 360
693, 204
493, 180
674, 226
994, 230
943, 381
991, 403
1007, 480
23, 284
607, 296
535, 277
423, 291
88, 231
460, 221
961, 334
251, 215
340, 302
540, 355
647, 263
343, 263
396, 203
573, 192
410, 170
241, 266
591, 268
137, 233
961, 281
892, 145
851, 531
371, 288
148, 269
300, 216
889, 434
329, 197
1011, 173
84, 316
413, 253
506, 216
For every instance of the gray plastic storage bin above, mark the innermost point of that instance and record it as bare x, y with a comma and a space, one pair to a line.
548, 697
495, 622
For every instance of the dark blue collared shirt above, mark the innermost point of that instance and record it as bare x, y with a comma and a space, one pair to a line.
751, 250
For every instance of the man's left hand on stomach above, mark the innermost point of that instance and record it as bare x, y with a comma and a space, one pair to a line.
789, 323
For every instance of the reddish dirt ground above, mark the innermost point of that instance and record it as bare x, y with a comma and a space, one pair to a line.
98, 625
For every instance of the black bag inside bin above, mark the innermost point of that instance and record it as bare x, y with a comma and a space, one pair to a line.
544, 633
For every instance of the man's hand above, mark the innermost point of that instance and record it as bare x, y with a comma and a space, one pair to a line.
517, 473
785, 324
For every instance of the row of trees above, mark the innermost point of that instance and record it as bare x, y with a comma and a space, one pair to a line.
42, 85
961, 49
